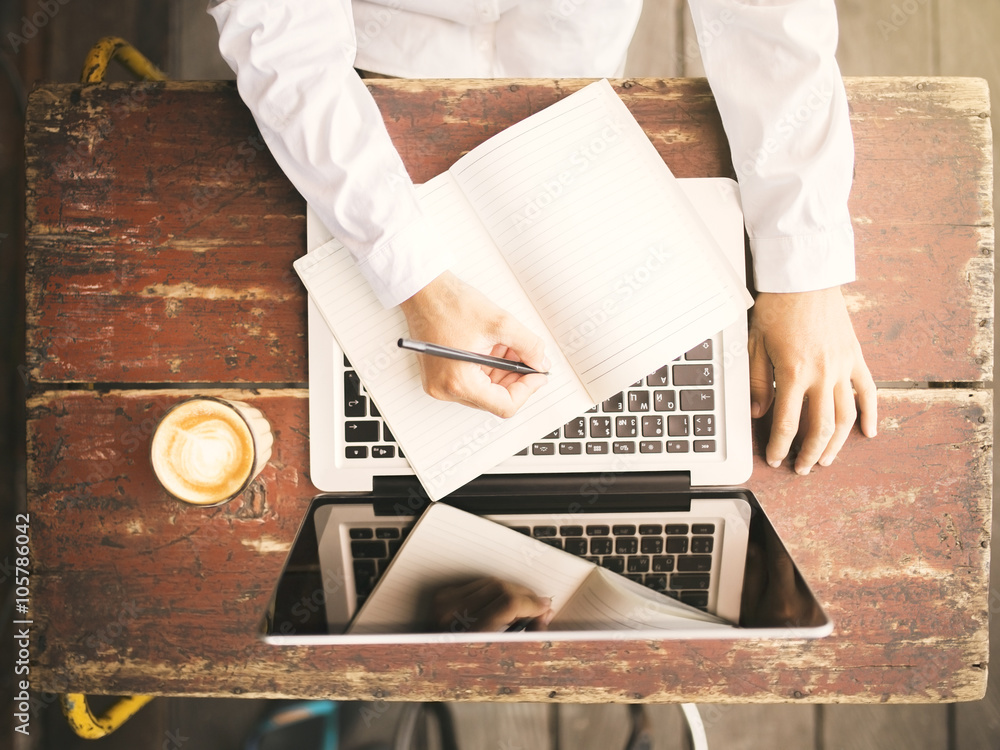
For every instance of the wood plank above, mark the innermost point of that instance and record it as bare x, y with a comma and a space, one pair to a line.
967, 30
886, 727
888, 37
155, 214
136, 593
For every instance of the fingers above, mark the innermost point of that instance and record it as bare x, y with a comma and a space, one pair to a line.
785, 424
867, 399
488, 604
761, 379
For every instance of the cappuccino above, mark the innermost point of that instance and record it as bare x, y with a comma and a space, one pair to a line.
206, 451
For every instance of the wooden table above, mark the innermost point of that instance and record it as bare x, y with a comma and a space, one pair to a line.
160, 241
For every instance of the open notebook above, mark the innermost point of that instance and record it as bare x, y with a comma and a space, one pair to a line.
577, 181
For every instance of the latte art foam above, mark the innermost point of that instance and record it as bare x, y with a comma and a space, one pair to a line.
203, 452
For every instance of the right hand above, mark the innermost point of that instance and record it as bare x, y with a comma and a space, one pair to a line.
451, 313
487, 605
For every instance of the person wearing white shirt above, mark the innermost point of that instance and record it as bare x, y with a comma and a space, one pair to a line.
772, 69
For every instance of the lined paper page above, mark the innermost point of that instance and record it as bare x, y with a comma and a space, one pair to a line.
607, 601
448, 546
601, 238
447, 444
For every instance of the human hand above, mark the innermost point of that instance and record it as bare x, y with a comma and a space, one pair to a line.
802, 347
486, 605
451, 313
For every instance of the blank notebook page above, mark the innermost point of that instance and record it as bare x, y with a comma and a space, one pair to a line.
561, 194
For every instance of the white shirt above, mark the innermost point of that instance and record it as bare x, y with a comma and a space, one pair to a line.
770, 63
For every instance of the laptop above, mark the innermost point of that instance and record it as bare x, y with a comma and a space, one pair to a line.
633, 484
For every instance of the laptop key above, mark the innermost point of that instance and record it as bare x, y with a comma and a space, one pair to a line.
700, 399
650, 446
652, 426
663, 564
703, 528
356, 406
600, 546
374, 550
623, 529
600, 530
697, 599
620, 447
352, 385
597, 449
704, 425
704, 446
694, 563
575, 429
647, 529
600, 427
614, 563
659, 378
570, 449
677, 426
388, 437
626, 545
680, 581
677, 545
656, 581
360, 533
626, 426
702, 544
571, 530
575, 546
677, 528
694, 375
383, 451
664, 400
387, 533
542, 449
356, 451
541, 531
638, 564
613, 404
677, 446
701, 352
554, 435
638, 401
651, 545
361, 432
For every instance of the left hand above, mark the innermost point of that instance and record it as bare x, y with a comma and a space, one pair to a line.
803, 348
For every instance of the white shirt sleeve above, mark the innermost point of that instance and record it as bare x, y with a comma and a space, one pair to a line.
334, 147
772, 69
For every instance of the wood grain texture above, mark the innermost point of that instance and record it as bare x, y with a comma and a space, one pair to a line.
161, 233
135, 593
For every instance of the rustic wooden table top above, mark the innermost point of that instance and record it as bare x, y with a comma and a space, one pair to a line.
160, 241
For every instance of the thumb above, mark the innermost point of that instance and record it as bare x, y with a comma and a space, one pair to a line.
761, 379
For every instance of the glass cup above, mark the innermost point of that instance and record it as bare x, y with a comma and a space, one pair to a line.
206, 450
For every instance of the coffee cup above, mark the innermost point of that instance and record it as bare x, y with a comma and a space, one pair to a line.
206, 450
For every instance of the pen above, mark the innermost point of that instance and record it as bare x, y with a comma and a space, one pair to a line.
520, 624
463, 356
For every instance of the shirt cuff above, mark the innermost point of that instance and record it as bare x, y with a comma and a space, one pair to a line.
402, 266
804, 263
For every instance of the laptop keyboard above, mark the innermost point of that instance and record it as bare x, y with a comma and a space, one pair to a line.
672, 410
675, 559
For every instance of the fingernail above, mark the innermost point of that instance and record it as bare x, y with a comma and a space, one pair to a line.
825, 461
803, 471
755, 410
774, 464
